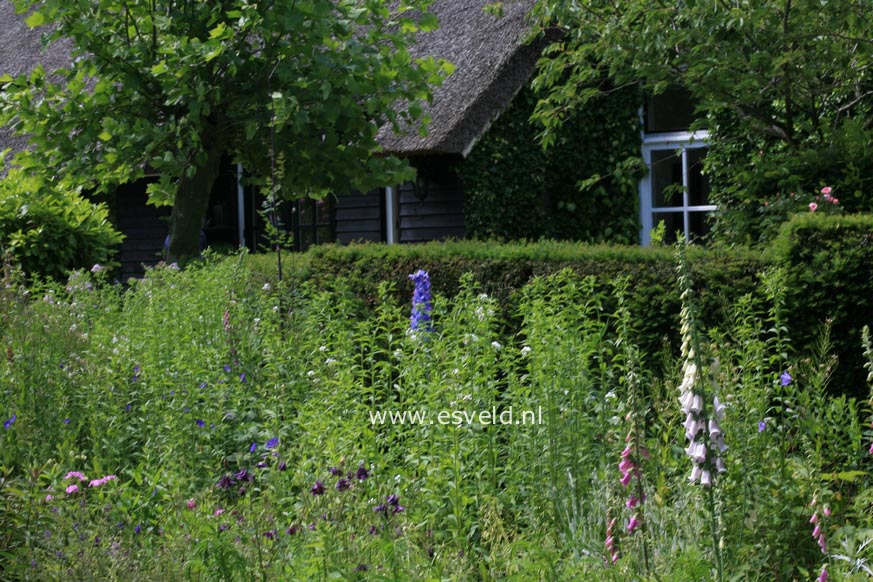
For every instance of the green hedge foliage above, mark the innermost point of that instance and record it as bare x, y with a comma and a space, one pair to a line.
49, 232
828, 263
583, 187
503, 270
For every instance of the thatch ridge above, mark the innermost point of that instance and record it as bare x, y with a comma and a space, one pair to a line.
492, 63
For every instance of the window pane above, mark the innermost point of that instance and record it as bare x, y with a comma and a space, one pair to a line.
672, 110
673, 223
306, 238
323, 210
698, 184
699, 225
324, 234
666, 179
304, 211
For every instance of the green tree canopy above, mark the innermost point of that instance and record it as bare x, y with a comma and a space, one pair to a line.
784, 86
173, 85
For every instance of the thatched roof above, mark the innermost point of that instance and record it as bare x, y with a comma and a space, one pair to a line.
492, 63
21, 50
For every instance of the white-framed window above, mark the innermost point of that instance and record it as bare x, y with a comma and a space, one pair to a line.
674, 191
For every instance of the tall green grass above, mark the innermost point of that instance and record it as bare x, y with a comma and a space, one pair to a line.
237, 416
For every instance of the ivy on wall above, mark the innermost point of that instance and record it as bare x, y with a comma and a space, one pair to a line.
583, 188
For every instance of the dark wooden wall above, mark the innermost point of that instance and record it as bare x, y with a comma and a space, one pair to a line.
360, 217
433, 207
144, 228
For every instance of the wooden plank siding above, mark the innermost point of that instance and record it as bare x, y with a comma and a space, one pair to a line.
144, 228
436, 211
360, 217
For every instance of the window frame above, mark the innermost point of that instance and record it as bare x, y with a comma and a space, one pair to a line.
678, 142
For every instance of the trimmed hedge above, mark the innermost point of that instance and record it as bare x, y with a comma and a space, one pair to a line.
502, 270
827, 260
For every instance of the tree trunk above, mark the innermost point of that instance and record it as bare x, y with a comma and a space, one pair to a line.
191, 203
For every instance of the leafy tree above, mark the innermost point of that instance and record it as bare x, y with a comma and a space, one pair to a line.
173, 85
784, 86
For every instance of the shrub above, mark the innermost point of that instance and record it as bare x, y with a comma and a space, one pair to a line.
502, 270
829, 272
50, 231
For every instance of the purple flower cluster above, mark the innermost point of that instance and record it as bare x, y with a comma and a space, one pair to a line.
630, 471
818, 526
7, 424
705, 453
345, 481
391, 506
420, 320
610, 543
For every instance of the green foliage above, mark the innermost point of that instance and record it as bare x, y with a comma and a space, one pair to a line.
49, 231
583, 187
179, 385
784, 114
172, 88
502, 270
827, 263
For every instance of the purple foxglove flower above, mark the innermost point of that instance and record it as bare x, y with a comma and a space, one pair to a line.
816, 531
717, 409
695, 474
705, 478
714, 429
697, 452
625, 465
696, 404
633, 524
692, 427
719, 465
625, 479
823, 576
685, 401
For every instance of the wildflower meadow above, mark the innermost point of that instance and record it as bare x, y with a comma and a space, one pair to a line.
213, 424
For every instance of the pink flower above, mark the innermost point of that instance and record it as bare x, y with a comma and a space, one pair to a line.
76, 475
633, 524
192, 503
826, 190
823, 576
218, 512
49, 497
102, 480
72, 489
813, 206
